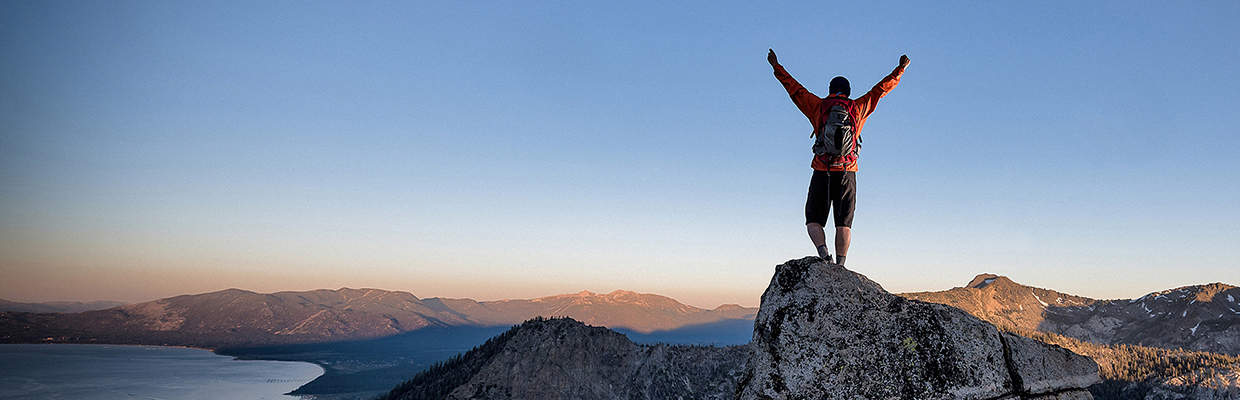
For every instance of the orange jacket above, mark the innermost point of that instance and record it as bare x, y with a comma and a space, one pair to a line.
811, 106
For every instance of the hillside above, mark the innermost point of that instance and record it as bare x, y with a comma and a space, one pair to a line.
57, 306
238, 318
1199, 318
1118, 334
1130, 372
566, 359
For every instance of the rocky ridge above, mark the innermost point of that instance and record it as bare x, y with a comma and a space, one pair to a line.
57, 306
1199, 318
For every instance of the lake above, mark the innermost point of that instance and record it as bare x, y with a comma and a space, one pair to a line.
68, 371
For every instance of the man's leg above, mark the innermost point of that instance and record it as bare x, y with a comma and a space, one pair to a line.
843, 237
844, 183
819, 236
817, 206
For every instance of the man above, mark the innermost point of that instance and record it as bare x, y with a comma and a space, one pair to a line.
834, 182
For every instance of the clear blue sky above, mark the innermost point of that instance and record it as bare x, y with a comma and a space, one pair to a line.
521, 149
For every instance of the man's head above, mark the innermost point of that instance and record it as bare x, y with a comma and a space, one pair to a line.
840, 85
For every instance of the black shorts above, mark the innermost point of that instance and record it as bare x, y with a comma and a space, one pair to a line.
827, 189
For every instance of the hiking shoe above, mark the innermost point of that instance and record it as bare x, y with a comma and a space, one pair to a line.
824, 255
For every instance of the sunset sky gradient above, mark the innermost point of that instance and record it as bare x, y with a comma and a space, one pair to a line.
498, 150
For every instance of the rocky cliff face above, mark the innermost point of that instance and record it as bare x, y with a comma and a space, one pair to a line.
826, 332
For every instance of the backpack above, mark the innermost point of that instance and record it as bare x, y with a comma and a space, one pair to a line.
836, 136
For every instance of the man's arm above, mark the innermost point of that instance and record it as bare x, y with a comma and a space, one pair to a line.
865, 104
807, 102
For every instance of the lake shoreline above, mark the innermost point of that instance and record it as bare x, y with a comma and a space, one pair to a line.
105, 371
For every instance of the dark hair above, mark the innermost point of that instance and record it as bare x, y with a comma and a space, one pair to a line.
840, 85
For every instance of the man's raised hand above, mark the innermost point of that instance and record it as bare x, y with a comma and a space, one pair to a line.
770, 57
903, 60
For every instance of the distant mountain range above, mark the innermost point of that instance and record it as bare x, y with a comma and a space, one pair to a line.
1200, 317
57, 306
239, 318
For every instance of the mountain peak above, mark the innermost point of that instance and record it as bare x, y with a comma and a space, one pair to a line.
982, 280
1207, 292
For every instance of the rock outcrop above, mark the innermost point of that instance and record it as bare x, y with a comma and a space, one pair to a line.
826, 332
